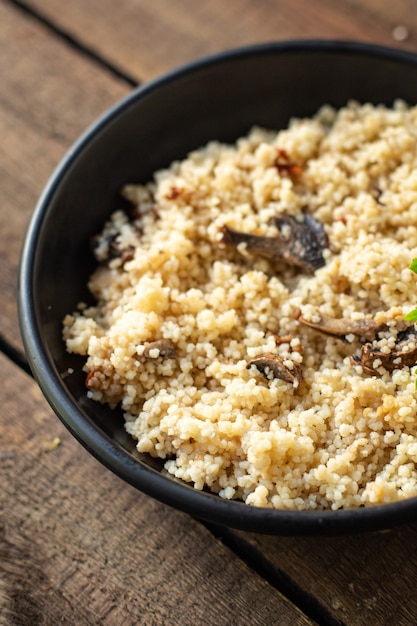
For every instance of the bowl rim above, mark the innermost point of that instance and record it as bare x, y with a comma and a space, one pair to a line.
180, 495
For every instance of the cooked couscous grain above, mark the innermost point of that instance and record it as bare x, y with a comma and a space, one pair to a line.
249, 313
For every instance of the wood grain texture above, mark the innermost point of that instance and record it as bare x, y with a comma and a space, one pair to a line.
146, 39
49, 95
361, 579
78, 546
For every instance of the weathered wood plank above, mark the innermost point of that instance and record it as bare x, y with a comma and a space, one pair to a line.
49, 95
78, 546
146, 39
360, 579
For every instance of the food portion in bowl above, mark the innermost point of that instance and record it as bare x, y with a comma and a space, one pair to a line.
249, 314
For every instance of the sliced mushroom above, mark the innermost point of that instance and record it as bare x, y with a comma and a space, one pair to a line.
108, 247
404, 354
165, 347
299, 243
141, 199
268, 362
365, 329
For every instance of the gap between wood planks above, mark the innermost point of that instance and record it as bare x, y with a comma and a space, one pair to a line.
72, 41
308, 604
17, 357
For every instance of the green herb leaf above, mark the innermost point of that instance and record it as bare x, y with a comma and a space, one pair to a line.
413, 266
411, 316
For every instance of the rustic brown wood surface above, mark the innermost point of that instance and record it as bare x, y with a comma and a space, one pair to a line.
362, 580
144, 39
40, 116
78, 546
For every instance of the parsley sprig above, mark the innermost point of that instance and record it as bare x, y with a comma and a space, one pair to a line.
411, 316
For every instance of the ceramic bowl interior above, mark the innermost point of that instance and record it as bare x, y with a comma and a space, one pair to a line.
216, 98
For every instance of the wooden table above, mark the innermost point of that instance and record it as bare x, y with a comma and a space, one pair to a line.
77, 545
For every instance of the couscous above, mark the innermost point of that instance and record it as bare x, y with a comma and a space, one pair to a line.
249, 314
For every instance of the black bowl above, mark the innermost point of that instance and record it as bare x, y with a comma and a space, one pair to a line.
216, 98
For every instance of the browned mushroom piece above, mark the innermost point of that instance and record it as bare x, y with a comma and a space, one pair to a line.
165, 347
300, 242
404, 354
110, 248
269, 362
365, 329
